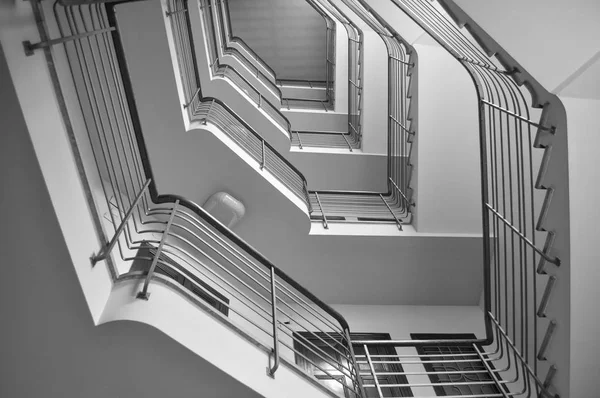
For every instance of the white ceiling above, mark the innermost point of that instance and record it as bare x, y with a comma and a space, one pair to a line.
289, 35
552, 39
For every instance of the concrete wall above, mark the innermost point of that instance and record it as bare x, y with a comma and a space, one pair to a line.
449, 197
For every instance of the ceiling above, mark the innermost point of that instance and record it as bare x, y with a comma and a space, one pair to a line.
555, 40
288, 35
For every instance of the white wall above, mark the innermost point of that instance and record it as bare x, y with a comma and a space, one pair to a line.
283, 22
449, 197
354, 171
375, 94
552, 55
341, 67
584, 173
401, 22
400, 321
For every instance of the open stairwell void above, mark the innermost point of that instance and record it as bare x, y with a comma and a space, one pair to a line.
125, 168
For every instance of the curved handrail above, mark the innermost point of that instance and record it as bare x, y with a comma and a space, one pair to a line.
244, 45
395, 204
508, 134
218, 68
112, 71
207, 116
225, 30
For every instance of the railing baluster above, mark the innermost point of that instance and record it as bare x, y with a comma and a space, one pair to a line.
398, 223
185, 106
263, 161
144, 295
372, 369
322, 211
274, 355
347, 142
106, 250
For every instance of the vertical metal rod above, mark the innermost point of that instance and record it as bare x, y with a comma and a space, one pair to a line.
547, 292
299, 139
348, 143
322, 211
274, 355
355, 363
263, 161
105, 251
207, 117
259, 100
185, 106
546, 342
144, 295
398, 223
368, 355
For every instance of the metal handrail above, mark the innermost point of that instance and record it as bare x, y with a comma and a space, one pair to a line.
287, 173
507, 128
396, 203
225, 33
191, 242
226, 71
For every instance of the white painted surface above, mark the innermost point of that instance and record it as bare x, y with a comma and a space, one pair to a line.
354, 171
182, 320
401, 22
375, 92
449, 197
283, 22
585, 82
402, 320
223, 89
341, 67
551, 55
315, 120
584, 173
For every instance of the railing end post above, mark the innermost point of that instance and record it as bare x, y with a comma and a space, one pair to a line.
271, 375
143, 296
28, 48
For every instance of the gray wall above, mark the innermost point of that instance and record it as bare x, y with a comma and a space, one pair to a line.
48, 344
288, 35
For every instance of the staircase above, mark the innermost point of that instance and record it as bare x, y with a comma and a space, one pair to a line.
160, 259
